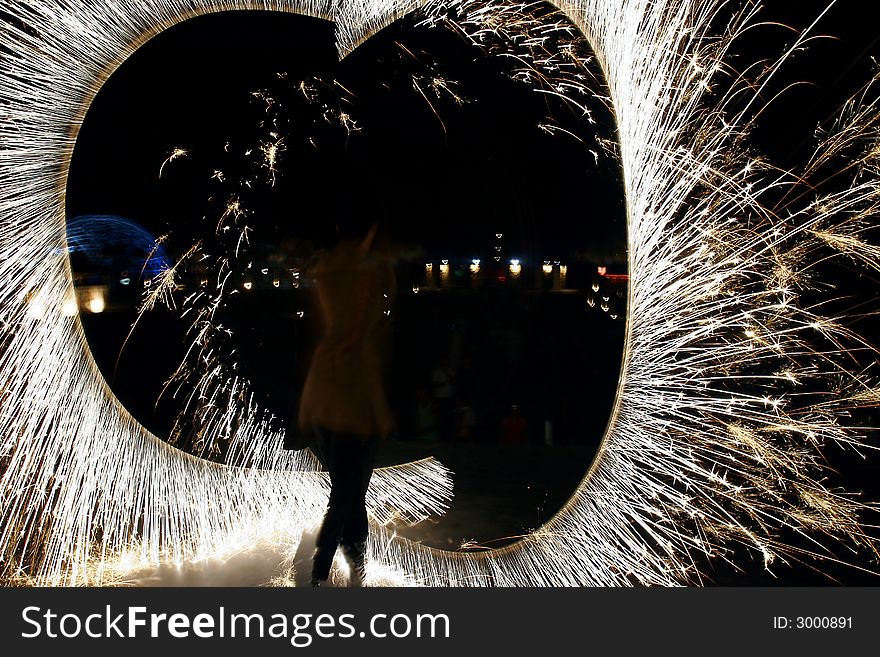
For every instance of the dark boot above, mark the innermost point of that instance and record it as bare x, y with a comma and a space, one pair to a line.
321, 563
355, 555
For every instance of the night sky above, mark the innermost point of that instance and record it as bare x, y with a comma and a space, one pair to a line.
444, 176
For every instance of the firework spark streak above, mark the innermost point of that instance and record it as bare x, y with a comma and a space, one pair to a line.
707, 446
176, 154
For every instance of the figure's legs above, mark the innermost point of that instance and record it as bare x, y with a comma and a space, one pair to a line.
330, 532
354, 535
349, 461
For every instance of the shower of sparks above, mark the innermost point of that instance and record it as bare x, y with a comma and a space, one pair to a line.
710, 445
549, 53
270, 151
348, 123
176, 154
161, 288
220, 415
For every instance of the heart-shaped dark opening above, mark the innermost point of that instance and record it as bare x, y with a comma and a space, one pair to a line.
239, 136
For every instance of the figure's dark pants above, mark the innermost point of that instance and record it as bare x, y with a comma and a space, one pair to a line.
349, 461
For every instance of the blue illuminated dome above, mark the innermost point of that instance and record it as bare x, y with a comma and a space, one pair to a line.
116, 244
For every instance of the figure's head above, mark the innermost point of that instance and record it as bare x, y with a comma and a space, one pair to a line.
351, 225
352, 208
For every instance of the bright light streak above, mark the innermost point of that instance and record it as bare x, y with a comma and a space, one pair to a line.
176, 154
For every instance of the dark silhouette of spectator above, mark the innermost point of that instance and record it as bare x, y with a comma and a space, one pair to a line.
514, 430
443, 380
467, 381
426, 417
465, 420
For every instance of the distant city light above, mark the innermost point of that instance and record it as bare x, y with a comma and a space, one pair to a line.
444, 273
96, 303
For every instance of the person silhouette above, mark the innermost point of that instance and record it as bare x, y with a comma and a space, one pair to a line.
343, 403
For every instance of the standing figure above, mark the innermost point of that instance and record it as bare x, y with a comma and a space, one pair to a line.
343, 403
